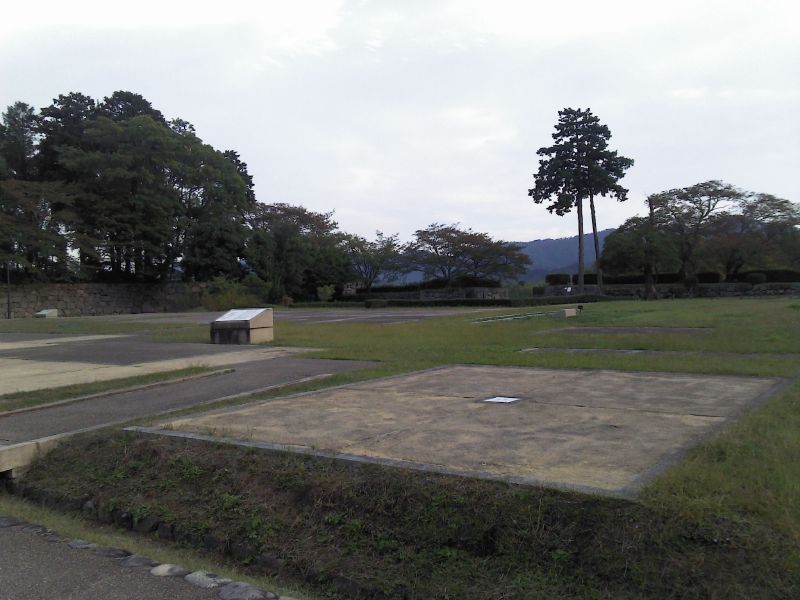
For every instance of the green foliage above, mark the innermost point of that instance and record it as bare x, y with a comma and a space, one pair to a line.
557, 279
579, 165
128, 193
710, 227
772, 275
18, 140
325, 293
373, 259
756, 278
296, 251
449, 253
224, 294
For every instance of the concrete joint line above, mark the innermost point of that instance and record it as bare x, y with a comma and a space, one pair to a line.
113, 392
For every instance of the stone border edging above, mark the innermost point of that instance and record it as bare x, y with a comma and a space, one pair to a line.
228, 589
170, 533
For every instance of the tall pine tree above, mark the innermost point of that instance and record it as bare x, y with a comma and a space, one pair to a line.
576, 167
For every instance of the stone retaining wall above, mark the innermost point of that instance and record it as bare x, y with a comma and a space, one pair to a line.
94, 299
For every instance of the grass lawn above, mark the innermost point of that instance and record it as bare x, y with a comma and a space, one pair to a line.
724, 522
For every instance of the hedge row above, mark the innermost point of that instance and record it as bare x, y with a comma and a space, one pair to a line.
770, 275
755, 277
512, 302
435, 284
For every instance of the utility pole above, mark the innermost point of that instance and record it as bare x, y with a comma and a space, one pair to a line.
8, 289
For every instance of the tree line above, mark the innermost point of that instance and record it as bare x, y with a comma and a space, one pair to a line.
112, 190
710, 226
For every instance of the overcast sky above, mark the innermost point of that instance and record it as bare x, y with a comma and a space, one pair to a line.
400, 113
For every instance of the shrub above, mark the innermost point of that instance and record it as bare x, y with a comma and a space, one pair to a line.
638, 279
325, 292
756, 278
588, 279
709, 277
224, 294
256, 286
434, 284
557, 278
772, 275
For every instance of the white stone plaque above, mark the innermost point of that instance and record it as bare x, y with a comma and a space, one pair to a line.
241, 314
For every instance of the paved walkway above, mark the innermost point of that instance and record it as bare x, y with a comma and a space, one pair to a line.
115, 408
31, 362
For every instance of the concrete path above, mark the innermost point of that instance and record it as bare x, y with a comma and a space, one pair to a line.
30, 363
116, 408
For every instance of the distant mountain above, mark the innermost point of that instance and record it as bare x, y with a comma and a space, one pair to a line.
559, 255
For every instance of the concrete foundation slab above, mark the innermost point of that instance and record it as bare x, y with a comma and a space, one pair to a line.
603, 431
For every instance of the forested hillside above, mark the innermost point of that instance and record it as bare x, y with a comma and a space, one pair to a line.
558, 255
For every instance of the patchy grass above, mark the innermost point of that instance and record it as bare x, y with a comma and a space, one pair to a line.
750, 473
82, 326
722, 523
19, 400
362, 530
736, 326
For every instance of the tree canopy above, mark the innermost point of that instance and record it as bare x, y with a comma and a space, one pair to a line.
709, 226
448, 252
115, 191
579, 166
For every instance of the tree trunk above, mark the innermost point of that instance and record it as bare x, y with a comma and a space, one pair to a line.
596, 245
579, 204
649, 254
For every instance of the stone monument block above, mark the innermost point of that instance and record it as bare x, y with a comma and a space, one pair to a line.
565, 313
243, 326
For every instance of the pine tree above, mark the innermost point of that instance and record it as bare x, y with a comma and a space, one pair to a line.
578, 166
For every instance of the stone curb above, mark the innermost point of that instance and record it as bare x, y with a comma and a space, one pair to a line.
133, 388
228, 589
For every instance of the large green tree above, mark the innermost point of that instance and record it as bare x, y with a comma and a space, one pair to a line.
150, 197
18, 136
711, 226
688, 212
579, 166
374, 258
296, 250
448, 252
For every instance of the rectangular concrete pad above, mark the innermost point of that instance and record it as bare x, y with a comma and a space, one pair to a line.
603, 431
